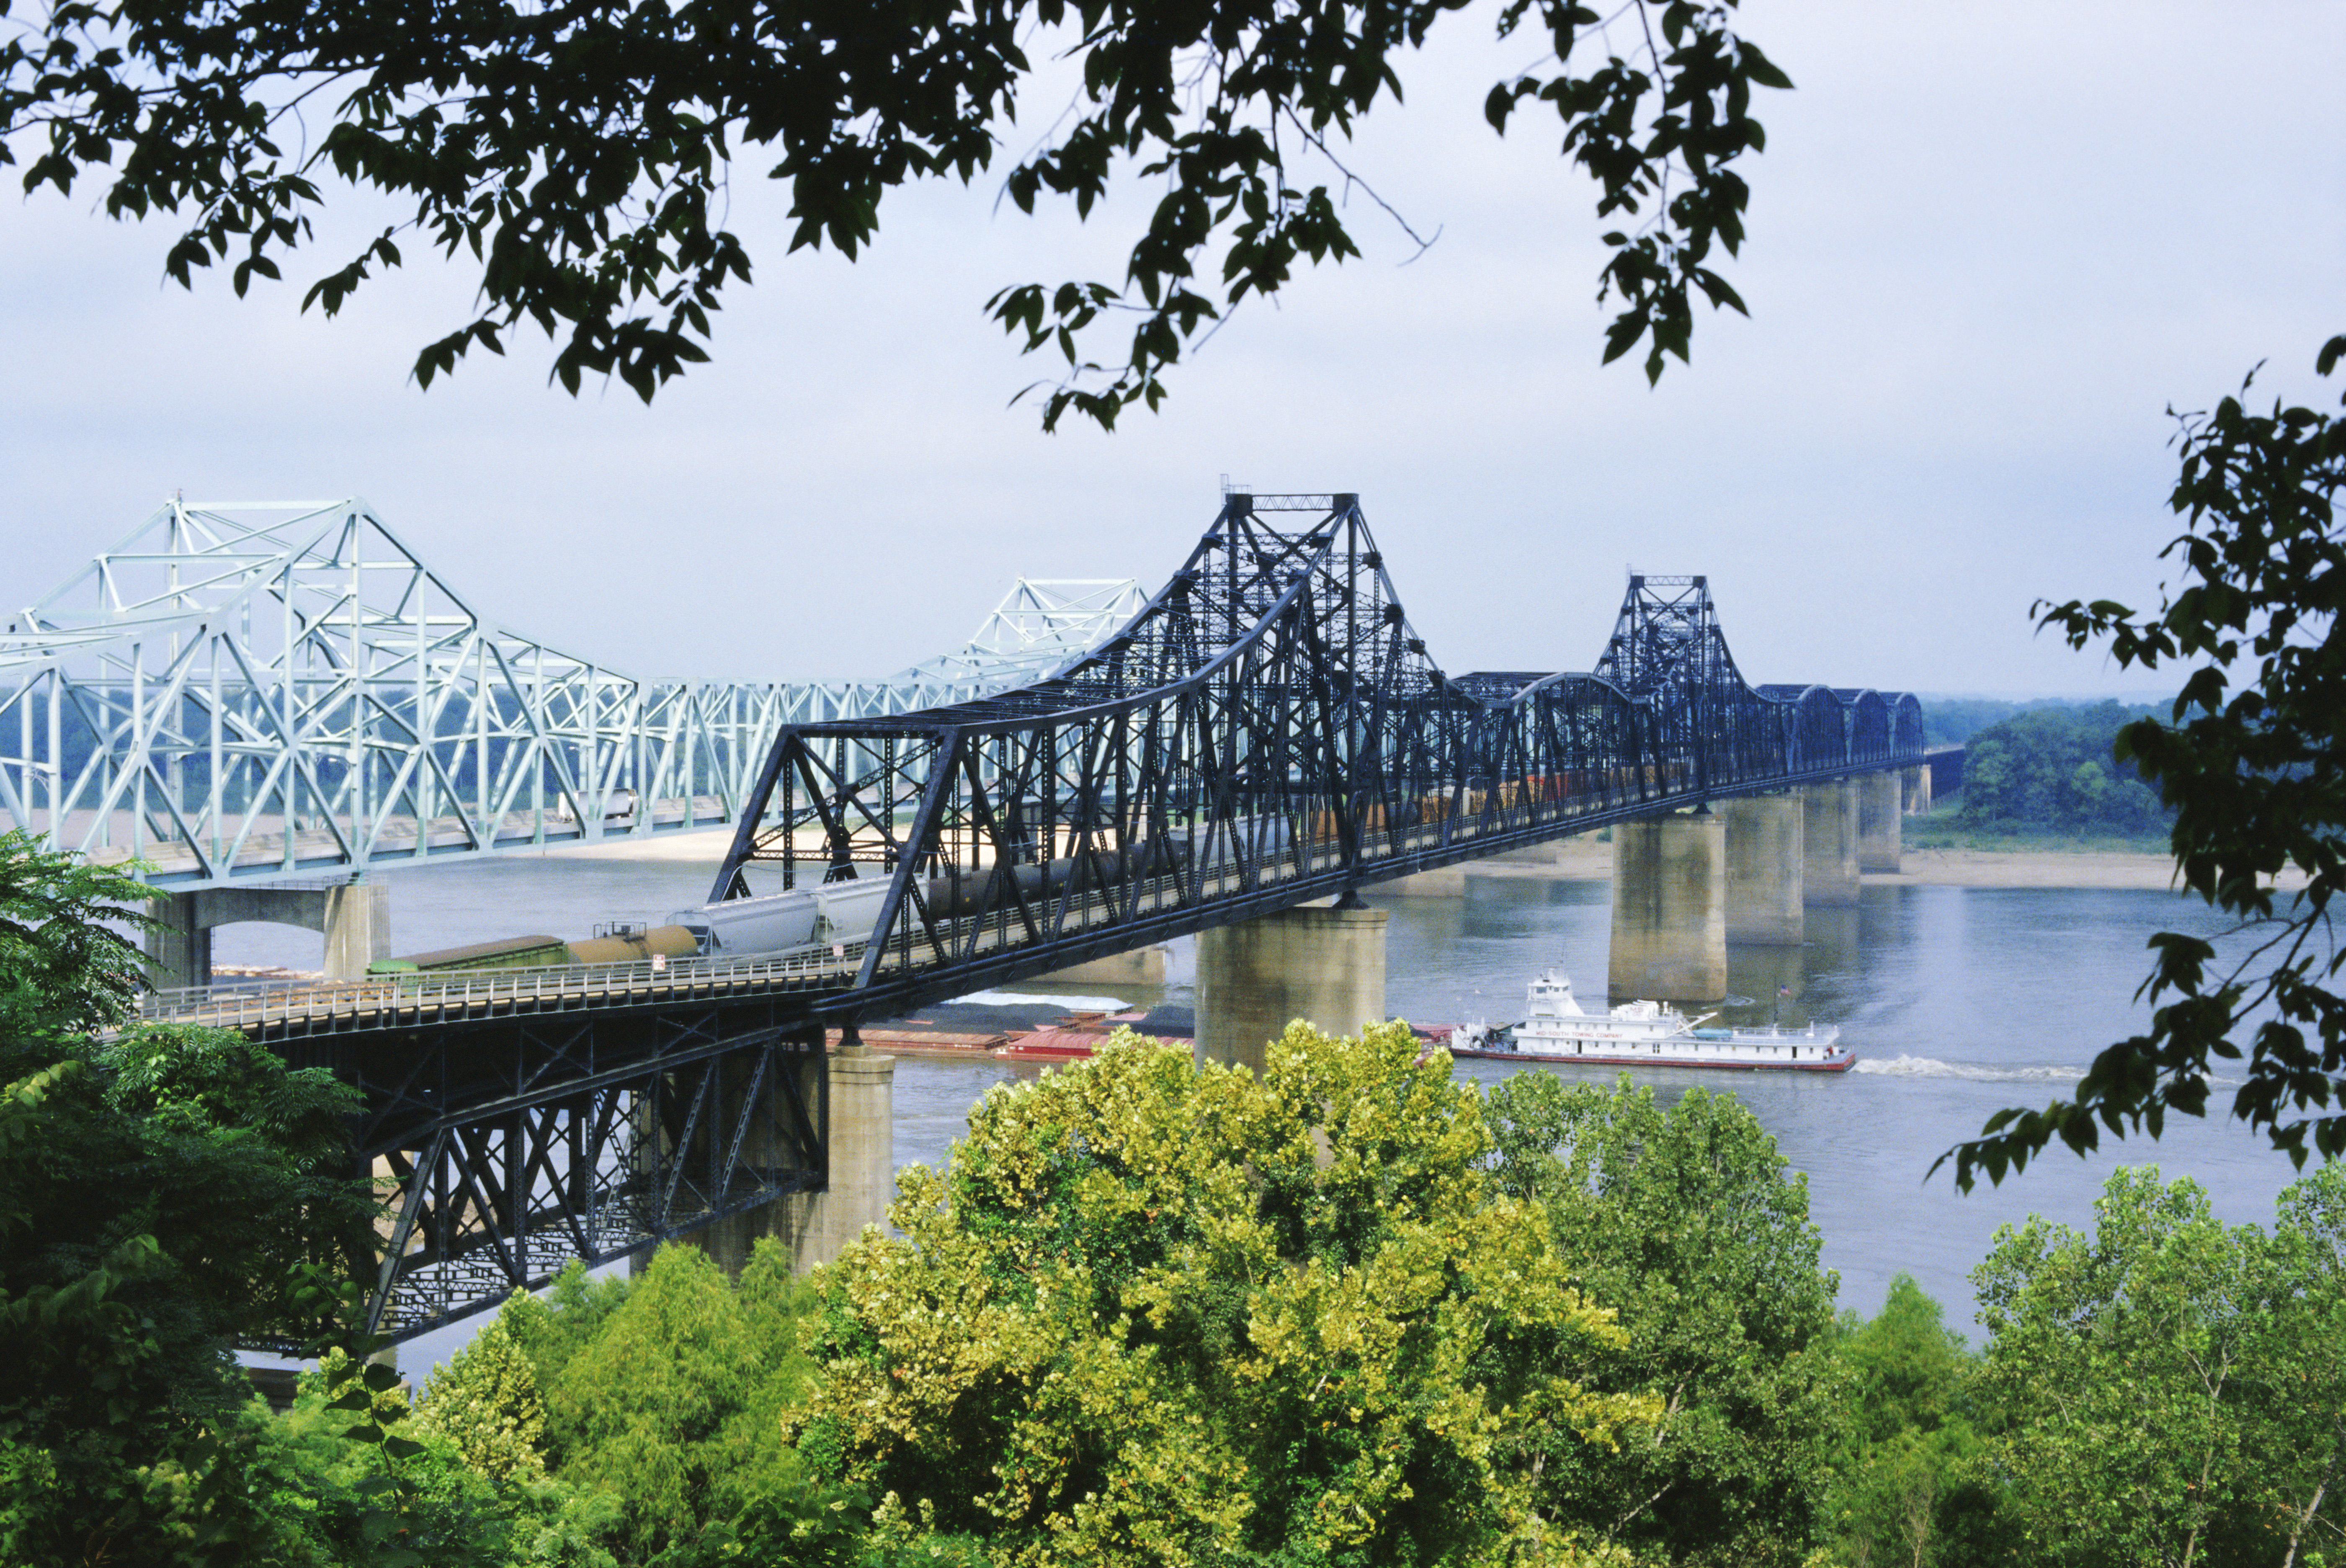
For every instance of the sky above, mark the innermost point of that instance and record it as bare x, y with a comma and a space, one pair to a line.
1990, 244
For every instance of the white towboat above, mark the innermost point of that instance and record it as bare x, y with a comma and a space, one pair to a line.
1555, 1028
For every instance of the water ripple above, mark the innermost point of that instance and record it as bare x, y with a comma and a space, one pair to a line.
1904, 1066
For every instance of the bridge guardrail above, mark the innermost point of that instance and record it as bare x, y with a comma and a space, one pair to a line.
387, 1001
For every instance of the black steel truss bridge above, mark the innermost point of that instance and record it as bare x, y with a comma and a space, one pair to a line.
1267, 731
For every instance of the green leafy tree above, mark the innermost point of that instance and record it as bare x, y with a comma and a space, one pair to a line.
2167, 1389
1156, 1315
581, 154
1913, 1483
674, 1404
67, 970
1688, 1223
2050, 770
552, 1328
486, 1402
1907, 1368
411, 1502
2250, 758
2299, 1375
163, 1193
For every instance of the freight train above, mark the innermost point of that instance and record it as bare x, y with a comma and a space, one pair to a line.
838, 913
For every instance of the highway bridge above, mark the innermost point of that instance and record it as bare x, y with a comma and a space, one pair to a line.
1267, 730
237, 693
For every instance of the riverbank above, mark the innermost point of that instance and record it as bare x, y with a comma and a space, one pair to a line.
1585, 859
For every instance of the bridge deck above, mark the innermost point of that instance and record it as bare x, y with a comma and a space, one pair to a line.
1127, 916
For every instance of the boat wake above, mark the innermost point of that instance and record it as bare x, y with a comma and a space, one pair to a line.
1970, 1071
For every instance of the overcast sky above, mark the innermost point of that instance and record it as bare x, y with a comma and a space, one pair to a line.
1990, 244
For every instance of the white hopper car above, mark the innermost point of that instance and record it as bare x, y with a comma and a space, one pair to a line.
838, 913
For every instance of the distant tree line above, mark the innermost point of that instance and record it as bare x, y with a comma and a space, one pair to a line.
1953, 720
2052, 769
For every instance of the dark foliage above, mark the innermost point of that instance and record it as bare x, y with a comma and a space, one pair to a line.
1688, 1223
2249, 759
2054, 769
162, 1194
581, 153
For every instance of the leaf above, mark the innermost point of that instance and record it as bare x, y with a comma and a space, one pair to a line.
585, 199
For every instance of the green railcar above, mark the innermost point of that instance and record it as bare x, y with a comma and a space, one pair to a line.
507, 952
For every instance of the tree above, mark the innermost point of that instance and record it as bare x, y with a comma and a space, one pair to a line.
163, 1193
2050, 770
2169, 1390
581, 152
1686, 1223
1156, 1315
486, 1402
2299, 1368
2252, 762
66, 967
1912, 1485
674, 1403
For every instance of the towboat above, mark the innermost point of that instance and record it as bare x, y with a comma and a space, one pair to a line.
1556, 1028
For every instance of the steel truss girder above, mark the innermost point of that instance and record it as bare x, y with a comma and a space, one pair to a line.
1267, 730
507, 1149
241, 692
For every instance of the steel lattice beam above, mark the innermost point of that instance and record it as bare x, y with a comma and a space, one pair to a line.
507, 1148
237, 693
1269, 730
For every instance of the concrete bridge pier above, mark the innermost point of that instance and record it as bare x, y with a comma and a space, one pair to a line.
1829, 844
179, 948
1914, 790
862, 1149
1669, 908
354, 917
1257, 976
817, 1227
1878, 835
1764, 856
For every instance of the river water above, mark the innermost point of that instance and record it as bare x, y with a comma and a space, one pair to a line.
1957, 1001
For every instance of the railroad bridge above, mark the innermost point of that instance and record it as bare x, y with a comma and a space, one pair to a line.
1265, 736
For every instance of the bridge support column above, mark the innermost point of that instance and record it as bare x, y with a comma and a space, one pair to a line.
178, 948
1255, 977
816, 1226
1764, 842
356, 918
1878, 835
1829, 844
863, 1153
1914, 790
1669, 908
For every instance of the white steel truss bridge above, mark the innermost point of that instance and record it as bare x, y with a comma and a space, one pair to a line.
243, 692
